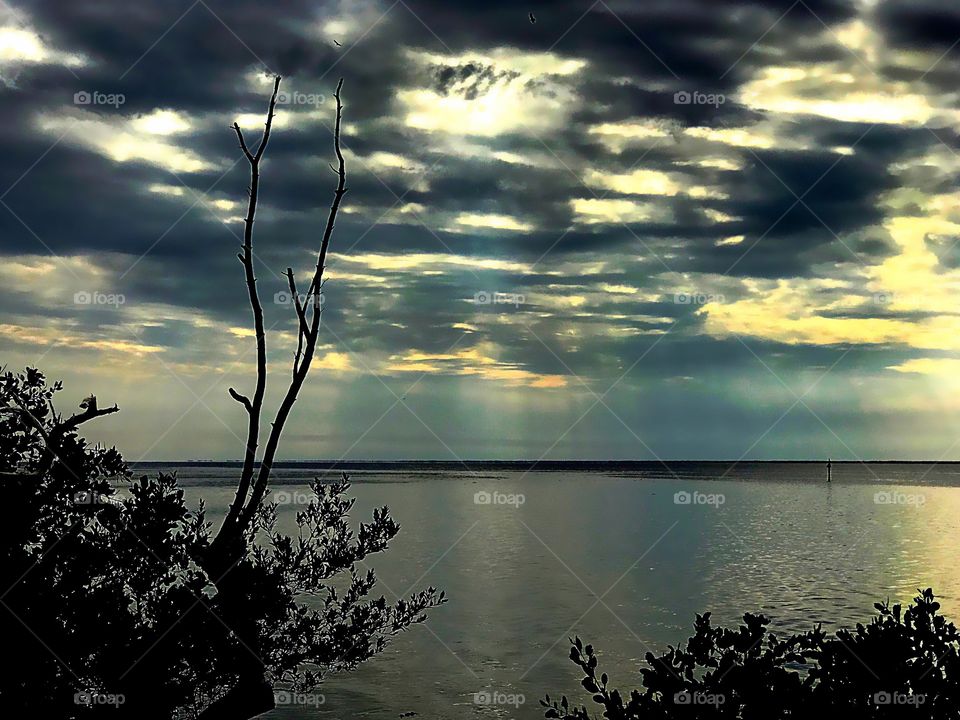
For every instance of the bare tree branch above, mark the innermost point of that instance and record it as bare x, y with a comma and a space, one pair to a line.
51, 439
60, 428
302, 329
254, 406
242, 399
310, 335
243, 144
77, 420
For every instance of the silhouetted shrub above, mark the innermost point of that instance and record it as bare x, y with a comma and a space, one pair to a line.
105, 610
903, 664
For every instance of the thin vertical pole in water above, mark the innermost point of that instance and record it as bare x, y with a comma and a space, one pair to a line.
829, 470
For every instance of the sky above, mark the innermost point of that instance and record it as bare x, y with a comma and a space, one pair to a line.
680, 229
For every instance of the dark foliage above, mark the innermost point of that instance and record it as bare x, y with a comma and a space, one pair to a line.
106, 610
903, 664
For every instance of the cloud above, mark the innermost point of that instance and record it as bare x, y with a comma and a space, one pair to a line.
20, 46
839, 96
127, 140
946, 367
473, 363
471, 91
492, 221
618, 211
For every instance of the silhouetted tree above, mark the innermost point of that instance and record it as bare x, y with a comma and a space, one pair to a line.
119, 600
903, 664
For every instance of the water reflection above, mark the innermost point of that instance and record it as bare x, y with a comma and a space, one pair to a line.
616, 560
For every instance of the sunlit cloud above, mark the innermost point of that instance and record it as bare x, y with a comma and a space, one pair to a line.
474, 101
616, 210
435, 261
839, 95
127, 140
473, 362
788, 312
945, 367
19, 46
492, 221
651, 182
161, 122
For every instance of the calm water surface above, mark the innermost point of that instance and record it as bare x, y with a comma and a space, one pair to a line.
615, 556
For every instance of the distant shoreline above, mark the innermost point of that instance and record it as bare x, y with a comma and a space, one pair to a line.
880, 472
524, 464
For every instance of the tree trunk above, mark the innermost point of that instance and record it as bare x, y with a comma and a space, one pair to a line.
227, 566
247, 699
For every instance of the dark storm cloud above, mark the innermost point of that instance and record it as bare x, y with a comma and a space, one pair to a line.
471, 79
690, 41
838, 194
920, 23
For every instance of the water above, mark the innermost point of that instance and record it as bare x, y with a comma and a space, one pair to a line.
606, 552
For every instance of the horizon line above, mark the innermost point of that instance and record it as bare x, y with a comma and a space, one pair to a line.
342, 461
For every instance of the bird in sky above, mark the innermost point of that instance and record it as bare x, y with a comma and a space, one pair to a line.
337, 44
533, 20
